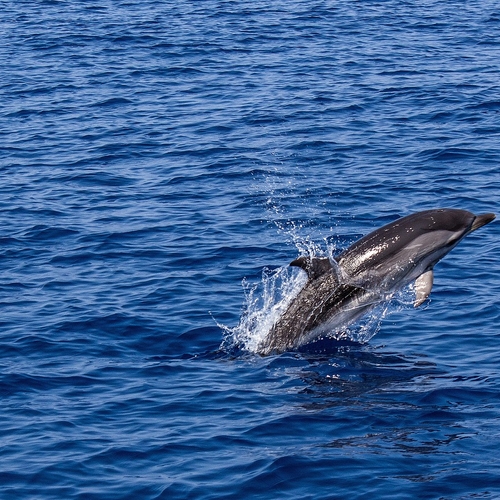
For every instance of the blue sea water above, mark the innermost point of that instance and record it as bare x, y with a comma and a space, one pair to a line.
161, 164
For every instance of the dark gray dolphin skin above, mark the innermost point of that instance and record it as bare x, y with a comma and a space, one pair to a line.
339, 292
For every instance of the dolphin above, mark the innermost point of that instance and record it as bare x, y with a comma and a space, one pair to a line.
341, 290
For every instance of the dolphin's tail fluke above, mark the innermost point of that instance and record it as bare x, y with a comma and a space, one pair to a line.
482, 220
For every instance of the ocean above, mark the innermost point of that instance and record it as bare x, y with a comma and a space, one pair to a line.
161, 165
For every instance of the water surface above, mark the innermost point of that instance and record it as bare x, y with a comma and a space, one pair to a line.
154, 155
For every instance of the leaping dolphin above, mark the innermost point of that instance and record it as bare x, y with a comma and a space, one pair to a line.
340, 291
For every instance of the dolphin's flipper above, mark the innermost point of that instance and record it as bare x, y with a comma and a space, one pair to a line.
314, 267
423, 287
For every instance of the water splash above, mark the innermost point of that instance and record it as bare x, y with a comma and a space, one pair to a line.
265, 302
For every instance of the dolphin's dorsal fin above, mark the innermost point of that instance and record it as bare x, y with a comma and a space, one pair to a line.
423, 287
314, 267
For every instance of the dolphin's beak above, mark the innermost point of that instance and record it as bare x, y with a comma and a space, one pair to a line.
482, 220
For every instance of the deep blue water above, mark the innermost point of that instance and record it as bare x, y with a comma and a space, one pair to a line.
159, 162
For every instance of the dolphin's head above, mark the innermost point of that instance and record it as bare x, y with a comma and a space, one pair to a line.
451, 224
452, 219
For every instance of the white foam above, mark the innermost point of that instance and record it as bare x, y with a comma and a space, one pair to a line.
265, 302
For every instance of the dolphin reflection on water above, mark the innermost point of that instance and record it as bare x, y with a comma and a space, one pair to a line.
339, 291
